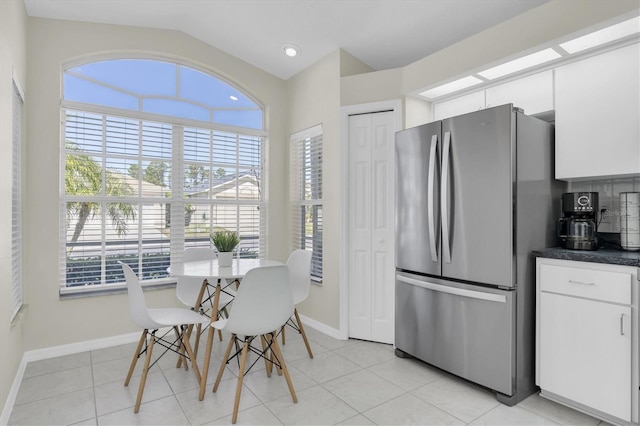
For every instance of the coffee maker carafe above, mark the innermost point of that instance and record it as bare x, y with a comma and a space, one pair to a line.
577, 228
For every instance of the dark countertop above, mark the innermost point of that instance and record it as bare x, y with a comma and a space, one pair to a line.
610, 256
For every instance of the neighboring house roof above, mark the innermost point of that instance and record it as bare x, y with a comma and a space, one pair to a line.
147, 189
223, 184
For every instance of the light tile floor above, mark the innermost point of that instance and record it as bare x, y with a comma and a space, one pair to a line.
347, 383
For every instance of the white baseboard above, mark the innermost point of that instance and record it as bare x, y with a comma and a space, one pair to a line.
55, 351
74, 348
13, 393
323, 328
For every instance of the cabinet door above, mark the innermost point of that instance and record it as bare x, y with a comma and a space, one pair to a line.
585, 352
457, 106
533, 94
597, 115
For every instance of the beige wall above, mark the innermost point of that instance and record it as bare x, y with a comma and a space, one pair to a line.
13, 39
52, 43
313, 97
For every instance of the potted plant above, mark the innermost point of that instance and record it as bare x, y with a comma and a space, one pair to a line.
225, 242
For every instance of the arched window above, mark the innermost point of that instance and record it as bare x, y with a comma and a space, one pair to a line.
157, 155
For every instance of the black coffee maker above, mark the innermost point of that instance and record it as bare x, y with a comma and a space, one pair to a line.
577, 228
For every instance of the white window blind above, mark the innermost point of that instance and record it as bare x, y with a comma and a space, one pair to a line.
16, 203
124, 201
306, 194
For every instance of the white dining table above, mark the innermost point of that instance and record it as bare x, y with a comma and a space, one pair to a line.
211, 272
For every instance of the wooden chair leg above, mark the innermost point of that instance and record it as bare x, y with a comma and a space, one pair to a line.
270, 337
205, 365
188, 332
181, 356
187, 345
197, 342
226, 315
304, 335
197, 307
132, 367
276, 348
210, 338
243, 362
267, 364
143, 379
282, 332
224, 362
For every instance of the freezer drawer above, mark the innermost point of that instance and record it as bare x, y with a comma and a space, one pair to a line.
463, 329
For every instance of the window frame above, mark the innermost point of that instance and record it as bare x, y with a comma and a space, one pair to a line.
307, 175
176, 240
17, 286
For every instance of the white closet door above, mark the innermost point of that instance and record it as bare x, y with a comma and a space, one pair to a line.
371, 226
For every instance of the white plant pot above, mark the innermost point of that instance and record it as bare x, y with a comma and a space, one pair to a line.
225, 258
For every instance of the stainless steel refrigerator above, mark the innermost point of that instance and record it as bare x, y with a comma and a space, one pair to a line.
475, 194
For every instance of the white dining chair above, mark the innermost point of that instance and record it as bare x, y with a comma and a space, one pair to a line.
299, 264
188, 289
263, 304
152, 320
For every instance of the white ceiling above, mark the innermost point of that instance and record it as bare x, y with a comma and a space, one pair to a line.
383, 34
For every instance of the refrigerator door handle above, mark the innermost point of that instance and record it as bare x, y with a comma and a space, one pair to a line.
491, 297
430, 199
444, 197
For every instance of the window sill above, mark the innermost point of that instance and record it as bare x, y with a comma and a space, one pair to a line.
104, 290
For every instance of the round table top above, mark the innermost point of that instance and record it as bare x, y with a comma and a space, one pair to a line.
211, 270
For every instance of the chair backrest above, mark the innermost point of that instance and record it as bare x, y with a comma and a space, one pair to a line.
263, 303
137, 304
187, 289
299, 264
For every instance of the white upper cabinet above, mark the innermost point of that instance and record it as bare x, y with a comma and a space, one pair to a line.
597, 104
533, 94
460, 105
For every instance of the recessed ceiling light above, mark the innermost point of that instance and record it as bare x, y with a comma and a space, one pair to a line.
233, 98
596, 38
291, 50
453, 86
520, 64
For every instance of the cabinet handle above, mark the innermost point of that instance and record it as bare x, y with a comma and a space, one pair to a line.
581, 282
622, 324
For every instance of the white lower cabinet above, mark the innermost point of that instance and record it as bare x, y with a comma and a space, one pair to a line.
587, 337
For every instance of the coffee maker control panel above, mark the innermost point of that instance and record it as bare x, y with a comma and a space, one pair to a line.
584, 203
579, 202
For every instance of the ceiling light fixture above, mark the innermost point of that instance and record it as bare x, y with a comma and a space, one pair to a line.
520, 64
597, 38
291, 50
233, 98
451, 87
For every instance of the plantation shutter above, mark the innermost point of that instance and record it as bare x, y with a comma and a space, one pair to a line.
306, 194
16, 204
